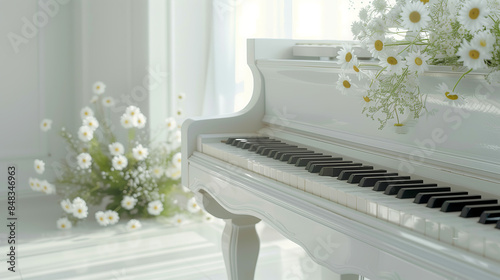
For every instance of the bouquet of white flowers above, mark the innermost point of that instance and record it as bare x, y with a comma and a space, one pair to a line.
137, 178
409, 36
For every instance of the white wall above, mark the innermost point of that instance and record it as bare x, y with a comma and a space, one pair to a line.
50, 74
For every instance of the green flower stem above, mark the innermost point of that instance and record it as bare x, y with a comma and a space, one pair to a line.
461, 79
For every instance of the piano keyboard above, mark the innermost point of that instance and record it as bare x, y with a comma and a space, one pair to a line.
454, 217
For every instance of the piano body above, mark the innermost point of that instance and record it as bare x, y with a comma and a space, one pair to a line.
343, 227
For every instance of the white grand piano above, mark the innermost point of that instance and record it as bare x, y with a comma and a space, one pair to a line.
344, 227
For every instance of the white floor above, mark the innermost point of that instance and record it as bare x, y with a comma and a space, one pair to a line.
157, 251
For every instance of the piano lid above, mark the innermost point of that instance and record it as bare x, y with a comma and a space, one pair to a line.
301, 96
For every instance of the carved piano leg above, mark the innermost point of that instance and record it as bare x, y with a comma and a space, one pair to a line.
240, 242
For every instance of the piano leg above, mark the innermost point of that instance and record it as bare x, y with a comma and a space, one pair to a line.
240, 242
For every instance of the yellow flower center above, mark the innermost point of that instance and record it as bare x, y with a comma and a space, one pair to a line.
379, 45
110, 217
45, 187
63, 226
84, 160
356, 69
180, 96
424, 1
128, 203
451, 96
86, 113
67, 206
179, 221
346, 84
98, 87
90, 124
179, 160
132, 113
367, 99
79, 210
133, 226
85, 134
194, 205
101, 218
398, 124
139, 121
108, 101
119, 162
38, 167
474, 54
156, 207
117, 150
348, 57
474, 13
179, 113
392, 60
415, 16
418, 61
482, 43
45, 124
140, 152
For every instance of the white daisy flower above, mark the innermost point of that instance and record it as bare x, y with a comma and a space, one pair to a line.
86, 112
472, 57
171, 124
108, 102
91, 122
133, 224
377, 26
155, 207
84, 160
39, 166
484, 41
450, 96
379, 5
116, 149
178, 219
79, 201
47, 187
99, 87
344, 84
38, 185
67, 206
140, 121
355, 69
417, 62
494, 78
357, 29
192, 206
112, 217
85, 133
392, 61
94, 99
128, 202
63, 223
46, 124
157, 171
32, 183
179, 112
415, 16
132, 111
177, 136
208, 218
140, 153
119, 162
100, 217
173, 172
176, 159
376, 45
127, 121
80, 210
474, 15
345, 57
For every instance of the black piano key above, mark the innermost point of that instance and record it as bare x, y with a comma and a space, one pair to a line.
334, 171
344, 175
287, 156
266, 151
305, 161
412, 192
279, 153
261, 148
315, 166
422, 198
394, 189
382, 185
489, 217
255, 147
247, 144
356, 178
458, 205
476, 210
371, 181
438, 201
230, 140
294, 158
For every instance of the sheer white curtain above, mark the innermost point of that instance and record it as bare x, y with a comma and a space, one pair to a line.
221, 80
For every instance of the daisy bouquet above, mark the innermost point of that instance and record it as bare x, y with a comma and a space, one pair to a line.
136, 178
408, 36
